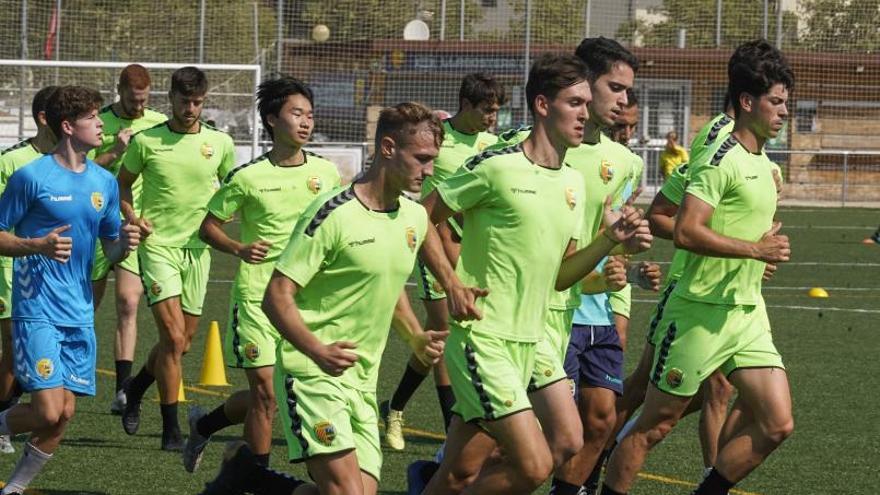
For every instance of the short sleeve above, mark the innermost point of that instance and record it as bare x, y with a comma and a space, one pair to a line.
133, 159
112, 219
16, 200
227, 200
311, 247
227, 161
710, 182
466, 188
675, 185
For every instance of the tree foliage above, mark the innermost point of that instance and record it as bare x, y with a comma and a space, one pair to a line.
841, 26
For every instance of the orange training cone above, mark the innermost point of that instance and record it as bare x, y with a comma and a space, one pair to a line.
213, 370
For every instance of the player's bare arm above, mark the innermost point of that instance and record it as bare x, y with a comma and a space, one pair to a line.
53, 245
127, 242
692, 232
211, 231
123, 137
126, 180
281, 309
661, 216
427, 345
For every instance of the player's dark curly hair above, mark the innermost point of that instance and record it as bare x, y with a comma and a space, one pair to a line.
400, 121
754, 68
189, 81
41, 99
600, 54
480, 87
272, 94
70, 103
552, 73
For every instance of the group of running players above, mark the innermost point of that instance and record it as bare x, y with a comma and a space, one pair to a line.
520, 243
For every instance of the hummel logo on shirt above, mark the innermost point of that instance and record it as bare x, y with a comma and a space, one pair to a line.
364, 242
69, 197
516, 190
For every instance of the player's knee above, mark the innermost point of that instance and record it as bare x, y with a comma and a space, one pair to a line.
175, 343
460, 477
778, 431
600, 422
127, 305
263, 398
534, 470
342, 486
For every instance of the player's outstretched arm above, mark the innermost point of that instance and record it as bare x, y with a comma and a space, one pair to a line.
427, 345
211, 231
121, 247
280, 307
53, 245
692, 232
661, 216
461, 299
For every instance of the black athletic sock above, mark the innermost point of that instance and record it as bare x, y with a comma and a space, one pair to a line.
123, 371
447, 399
592, 483
213, 422
17, 391
169, 418
261, 459
408, 385
713, 484
138, 385
608, 491
260, 479
559, 487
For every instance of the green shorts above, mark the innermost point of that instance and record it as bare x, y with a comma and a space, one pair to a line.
5, 292
699, 338
550, 352
322, 415
101, 267
621, 301
250, 339
175, 272
427, 286
657, 315
489, 375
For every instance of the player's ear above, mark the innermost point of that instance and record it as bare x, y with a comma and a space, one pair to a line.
746, 101
542, 105
387, 147
41, 119
272, 120
66, 127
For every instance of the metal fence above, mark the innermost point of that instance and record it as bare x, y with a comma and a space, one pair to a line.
361, 55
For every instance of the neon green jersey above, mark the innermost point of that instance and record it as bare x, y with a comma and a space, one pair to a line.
269, 199
351, 264
113, 123
12, 159
716, 129
456, 148
739, 185
519, 218
179, 173
607, 168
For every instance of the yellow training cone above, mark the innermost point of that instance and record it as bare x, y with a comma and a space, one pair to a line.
181, 395
213, 370
818, 292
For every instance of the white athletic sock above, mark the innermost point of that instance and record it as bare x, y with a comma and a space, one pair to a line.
628, 426
31, 462
4, 428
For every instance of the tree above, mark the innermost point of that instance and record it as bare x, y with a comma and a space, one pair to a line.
841, 26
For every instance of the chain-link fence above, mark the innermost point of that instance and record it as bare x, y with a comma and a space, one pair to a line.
361, 55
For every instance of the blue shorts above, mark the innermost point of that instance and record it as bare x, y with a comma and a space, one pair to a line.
49, 356
595, 357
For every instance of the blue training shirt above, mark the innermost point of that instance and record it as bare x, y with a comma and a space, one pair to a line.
40, 197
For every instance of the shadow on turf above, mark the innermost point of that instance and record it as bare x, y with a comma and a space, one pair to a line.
70, 492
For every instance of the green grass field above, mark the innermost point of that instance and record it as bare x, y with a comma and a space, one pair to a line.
830, 348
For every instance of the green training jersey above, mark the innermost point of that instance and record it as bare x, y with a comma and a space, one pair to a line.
607, 168
673, 189
269, 199
351, 264
456, 148
12, 159
739, 185
113, 123
179, 176
715, 130
519, 218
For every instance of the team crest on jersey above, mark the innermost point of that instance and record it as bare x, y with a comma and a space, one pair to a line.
252, 351
314, 184
326, 432
411, 238
482, 145
155, 289
97, 201
570, 198
606, 172
207, 150
45, 368
674, 377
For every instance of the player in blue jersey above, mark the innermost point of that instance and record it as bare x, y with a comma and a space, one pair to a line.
58, 207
